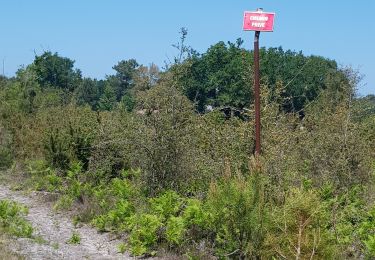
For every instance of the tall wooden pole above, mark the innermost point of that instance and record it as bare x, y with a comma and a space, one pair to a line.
257, 93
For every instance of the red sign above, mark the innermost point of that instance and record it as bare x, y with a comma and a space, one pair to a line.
258, 21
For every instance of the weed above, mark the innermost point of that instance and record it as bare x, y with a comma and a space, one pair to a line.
75, 239
121, 248
65, 202
55, 245
76, 220
40, 240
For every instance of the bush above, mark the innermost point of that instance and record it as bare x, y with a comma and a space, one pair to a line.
194, 214
6, 158
175, 230
367, 233
158, 221
112, 148
42, 177
300, 228
163, 139
6, 154
237, 216
71, 144
166, 205
116, 218
12, 219
144, 230
115, 203
56, 150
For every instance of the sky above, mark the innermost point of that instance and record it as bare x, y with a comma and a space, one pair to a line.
99, 33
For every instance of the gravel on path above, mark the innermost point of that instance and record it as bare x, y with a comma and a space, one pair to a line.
54, 229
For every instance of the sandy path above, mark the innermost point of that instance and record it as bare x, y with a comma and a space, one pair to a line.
55, 229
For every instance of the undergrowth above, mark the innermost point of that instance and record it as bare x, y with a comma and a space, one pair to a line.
236, 218
12, 219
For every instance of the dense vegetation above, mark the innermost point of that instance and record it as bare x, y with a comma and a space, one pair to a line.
157, 155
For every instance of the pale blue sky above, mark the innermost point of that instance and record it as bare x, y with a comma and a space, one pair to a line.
99, 33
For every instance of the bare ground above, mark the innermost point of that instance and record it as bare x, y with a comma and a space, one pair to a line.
52, 231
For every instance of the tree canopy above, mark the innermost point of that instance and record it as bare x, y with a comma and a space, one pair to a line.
56, 71
223, 76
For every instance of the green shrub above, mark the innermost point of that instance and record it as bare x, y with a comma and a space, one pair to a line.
68, 135
56, 150
112, 148
367, 233
12, 219
144, 230
194, 214
299, 228
122, 248
43, 178
370, 246
6, 153
175, 230
64, 202
163, 139
122, 188
76, 186
6, 158
348, 215
166, 205
80, 145
237, 216
115, 219
117, 201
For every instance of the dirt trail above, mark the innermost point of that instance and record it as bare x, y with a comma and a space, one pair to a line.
57, 228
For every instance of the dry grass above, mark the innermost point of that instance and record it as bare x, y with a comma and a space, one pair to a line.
5, 252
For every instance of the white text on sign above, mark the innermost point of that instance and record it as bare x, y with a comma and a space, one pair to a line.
260, 25
259, 19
